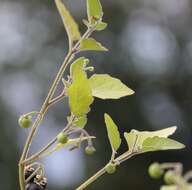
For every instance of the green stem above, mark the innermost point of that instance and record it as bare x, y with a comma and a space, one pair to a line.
102, 171
92, 179
45, 107
36, 156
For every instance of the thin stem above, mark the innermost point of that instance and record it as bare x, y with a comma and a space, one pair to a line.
36, 156
102, 171
57, 99
48, 152
92, 179
81, 130
45, 107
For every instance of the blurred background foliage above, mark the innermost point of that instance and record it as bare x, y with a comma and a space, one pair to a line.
150, 44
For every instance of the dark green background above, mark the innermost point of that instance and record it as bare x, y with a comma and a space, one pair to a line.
150, 44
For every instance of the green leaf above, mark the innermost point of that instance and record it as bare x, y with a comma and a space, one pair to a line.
160, 143
136, 138
68, 21
80, 94
159, 133
91, 44
81, 121
77, 67
106, 87
131, 140
94, 10
169, 187
101, 26
113, 133
174, 187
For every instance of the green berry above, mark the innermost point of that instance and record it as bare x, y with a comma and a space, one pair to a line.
90, 150
110, 168
62, 138
169, 177
155, 170
25, 121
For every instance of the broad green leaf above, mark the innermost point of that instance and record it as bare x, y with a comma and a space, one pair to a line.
94, 10
68, 21
77, 66
113, 133
137, 137
81, 121
80, 94
142, 135
91, 44
101, 26
160, 143
106, 87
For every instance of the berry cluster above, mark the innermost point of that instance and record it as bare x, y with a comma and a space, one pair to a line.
36, 182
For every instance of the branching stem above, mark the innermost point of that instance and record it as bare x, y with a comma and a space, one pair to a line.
102, 171
46, 106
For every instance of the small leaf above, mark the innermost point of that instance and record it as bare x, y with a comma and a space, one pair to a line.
174, 187
169, 187
101, 26
106, 87
160, 143
113, 133
81, 121
68, 21
94, 10
91, 44
77, 66
131, 140
80, 94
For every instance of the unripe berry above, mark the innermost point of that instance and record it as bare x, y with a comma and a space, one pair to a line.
169, 177
110, 168
90, 150
25, 121
62, 138
155, 171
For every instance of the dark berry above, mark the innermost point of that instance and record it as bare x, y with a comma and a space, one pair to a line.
28, 172
42, 181
34, 186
